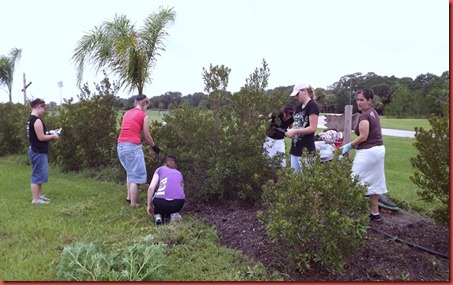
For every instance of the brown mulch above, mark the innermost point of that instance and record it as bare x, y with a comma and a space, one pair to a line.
416, 254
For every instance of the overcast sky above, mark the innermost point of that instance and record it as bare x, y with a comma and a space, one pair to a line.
316, 42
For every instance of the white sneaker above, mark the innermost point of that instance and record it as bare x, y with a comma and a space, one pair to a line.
44, 198
40, 202
158, 219
175, 217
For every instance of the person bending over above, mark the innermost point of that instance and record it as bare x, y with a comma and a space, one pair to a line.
169, 198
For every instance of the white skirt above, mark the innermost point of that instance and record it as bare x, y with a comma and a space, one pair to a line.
369, 166
272, 147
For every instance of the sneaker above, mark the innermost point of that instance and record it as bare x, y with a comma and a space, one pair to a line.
40, 202
375, 218
44, 198
385, 203
158, 219
175, 217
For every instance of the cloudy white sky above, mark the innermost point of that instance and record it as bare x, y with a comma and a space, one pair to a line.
316, 42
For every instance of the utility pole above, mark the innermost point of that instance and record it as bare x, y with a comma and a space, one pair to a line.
25, 90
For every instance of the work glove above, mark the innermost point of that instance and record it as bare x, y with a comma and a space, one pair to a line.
344, 149
156, 149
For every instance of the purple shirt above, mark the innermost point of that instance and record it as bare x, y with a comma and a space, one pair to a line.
170, 181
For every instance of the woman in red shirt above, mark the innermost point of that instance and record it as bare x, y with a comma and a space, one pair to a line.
129, 146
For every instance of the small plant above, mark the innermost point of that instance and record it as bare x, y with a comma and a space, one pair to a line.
317, 217
87, 262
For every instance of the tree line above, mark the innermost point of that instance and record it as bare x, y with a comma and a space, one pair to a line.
395, 97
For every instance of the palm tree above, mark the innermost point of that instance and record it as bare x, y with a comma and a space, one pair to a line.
129, 53
7, 67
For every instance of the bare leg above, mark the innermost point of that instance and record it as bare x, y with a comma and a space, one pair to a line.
128, 191
133, 192
374, 203
36, 190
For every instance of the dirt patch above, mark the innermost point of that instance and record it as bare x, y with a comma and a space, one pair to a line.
403, 247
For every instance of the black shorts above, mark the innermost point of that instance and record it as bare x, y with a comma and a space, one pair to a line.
167, 207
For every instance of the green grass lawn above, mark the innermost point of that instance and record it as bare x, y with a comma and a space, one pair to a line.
404, 124
32, 237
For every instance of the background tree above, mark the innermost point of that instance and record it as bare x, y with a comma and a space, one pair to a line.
128, 53
7, 67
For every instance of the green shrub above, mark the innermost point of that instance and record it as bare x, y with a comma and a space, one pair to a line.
220, 150
316, 217
13, 130
143, 261
432, 165
223, 160
90, 131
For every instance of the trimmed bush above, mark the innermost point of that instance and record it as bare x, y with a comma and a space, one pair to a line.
13, 131
317, 217
432, 165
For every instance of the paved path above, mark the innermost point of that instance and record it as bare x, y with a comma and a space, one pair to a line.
385, 132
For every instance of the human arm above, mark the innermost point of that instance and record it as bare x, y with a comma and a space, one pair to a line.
147, 135
262, 117
364, 129
311, 129
151, 189
39, 130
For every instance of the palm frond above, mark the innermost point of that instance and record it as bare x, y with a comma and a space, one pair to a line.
118, 47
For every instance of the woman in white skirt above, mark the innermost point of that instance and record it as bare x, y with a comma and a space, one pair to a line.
370, 151
275, 135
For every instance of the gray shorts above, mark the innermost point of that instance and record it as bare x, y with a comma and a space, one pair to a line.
133, 160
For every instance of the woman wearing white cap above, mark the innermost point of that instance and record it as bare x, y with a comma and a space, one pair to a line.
305, 124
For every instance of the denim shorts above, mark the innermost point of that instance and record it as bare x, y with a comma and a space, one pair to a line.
40, 167
133, 160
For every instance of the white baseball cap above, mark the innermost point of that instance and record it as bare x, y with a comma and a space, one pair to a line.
298, 87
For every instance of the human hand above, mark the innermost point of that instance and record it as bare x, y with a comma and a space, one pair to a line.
150, 210
289, 133
347, 147
156, 149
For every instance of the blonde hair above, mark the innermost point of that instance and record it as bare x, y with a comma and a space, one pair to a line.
311, 92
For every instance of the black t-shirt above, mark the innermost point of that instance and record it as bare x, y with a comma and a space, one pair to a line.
301, 120
276, 123
36, 145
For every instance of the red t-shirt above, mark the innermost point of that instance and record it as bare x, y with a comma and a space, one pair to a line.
132, 126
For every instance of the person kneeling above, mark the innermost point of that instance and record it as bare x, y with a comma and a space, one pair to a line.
169, 198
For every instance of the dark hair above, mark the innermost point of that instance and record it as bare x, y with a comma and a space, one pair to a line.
140, 98
170, 156
37, 102
367, 93
288, 108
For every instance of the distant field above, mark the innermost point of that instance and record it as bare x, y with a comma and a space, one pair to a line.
155, 115
404, 124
